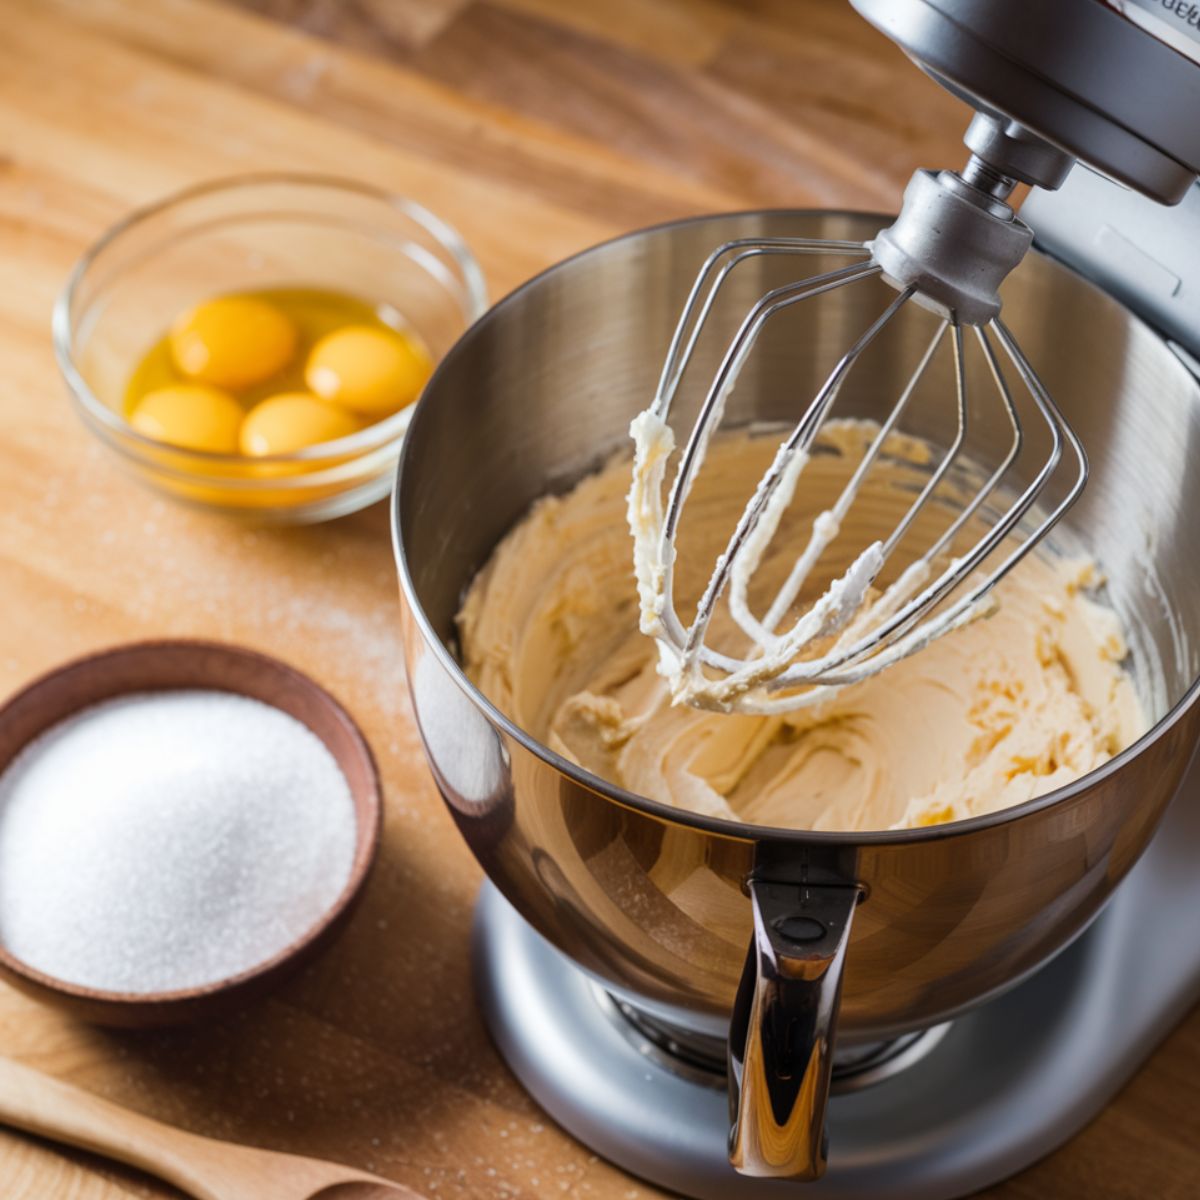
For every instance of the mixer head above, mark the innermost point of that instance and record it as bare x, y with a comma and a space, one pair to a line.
955, 241
1075, 78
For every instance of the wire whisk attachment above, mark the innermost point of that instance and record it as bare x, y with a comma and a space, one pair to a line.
797, 652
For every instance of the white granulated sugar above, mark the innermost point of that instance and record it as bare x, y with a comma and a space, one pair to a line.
169, 840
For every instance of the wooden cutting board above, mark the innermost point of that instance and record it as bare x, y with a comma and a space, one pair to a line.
537, 127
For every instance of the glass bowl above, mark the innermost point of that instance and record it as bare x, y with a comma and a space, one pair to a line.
249, 233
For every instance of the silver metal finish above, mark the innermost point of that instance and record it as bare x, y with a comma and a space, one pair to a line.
949, 250
1175, 22
703, 1057
1073, 73
860, 1067
1150, 260
783, 1028
1014, 152
650, 898
694, 1054
954, 243
996, 1091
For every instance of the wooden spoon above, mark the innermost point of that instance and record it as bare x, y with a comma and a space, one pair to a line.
206, 1168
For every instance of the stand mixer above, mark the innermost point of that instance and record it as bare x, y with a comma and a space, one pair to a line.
951, 984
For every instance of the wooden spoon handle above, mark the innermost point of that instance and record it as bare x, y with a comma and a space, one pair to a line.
46, 1106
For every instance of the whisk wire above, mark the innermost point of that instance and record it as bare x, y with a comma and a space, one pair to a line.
898, 634
712, 408
796, 445
989, 486
935, 479
705, 289
823, 531
869, 630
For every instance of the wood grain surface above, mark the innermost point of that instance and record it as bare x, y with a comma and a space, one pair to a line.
537, 127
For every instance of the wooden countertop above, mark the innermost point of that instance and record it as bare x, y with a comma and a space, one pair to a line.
537, 127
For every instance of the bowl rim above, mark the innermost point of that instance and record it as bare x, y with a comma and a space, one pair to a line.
723, 826
373, 436
368, 831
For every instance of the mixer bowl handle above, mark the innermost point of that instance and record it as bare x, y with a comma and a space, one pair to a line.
782, 1029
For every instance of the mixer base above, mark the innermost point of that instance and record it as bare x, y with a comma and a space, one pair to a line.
1004, 1086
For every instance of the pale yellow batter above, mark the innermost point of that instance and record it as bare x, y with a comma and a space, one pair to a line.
988, 716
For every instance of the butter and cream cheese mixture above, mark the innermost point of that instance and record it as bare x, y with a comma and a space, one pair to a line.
991, 714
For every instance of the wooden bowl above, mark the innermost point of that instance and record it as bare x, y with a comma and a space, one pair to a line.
167, 665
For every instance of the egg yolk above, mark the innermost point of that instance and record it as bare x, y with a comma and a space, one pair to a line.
190, 415
233, 342
372, 372
291, 421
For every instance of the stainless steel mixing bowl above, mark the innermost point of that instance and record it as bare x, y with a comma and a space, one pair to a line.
655, 902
